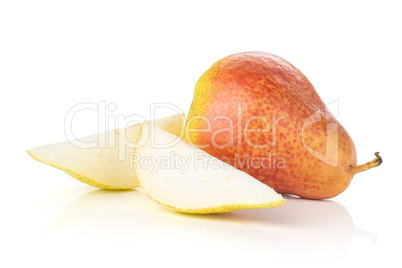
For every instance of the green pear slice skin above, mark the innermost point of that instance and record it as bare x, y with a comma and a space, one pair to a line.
198, 188
109, 165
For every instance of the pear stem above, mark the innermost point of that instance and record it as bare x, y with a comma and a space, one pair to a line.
373, 163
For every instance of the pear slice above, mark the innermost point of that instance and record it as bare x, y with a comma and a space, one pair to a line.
186, 179
108, 164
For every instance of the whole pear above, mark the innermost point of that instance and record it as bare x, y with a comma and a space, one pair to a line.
260, 114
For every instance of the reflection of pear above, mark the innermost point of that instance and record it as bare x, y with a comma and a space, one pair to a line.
300, 229
108, 165
86, 205
313, 228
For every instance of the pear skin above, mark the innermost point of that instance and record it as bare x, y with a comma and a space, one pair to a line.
260, 114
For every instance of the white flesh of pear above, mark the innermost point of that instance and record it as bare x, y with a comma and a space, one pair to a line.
108, 164
187, 179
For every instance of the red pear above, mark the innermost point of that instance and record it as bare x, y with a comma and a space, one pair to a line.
260, 114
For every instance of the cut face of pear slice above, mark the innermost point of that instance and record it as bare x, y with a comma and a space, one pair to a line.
108, 163
187, 179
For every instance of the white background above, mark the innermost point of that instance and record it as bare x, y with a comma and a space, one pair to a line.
56, 54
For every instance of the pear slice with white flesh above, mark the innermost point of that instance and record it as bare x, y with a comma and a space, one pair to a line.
186, 179
102, 160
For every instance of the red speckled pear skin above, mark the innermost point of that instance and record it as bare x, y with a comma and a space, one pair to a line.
259, 113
